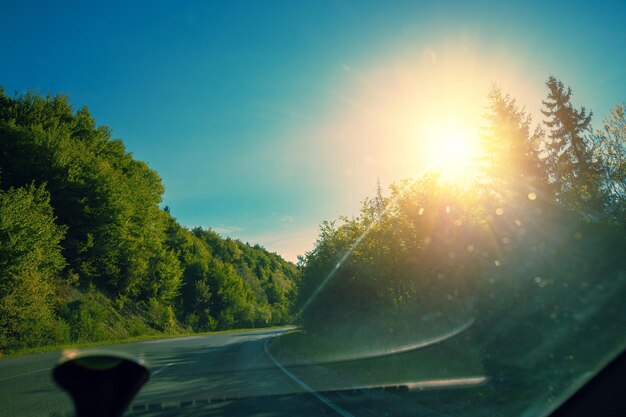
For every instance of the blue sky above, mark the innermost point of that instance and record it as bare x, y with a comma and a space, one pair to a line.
265, 118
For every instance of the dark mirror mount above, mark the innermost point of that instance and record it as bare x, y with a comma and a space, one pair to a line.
102, 384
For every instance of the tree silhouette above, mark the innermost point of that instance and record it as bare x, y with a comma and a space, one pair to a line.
570, 154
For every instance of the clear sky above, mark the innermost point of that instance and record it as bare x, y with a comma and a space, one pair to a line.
265, 118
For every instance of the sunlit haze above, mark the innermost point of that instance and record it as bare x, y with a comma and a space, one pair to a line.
454, 152
265, 120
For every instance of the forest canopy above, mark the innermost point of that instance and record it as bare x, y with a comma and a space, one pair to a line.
87, 253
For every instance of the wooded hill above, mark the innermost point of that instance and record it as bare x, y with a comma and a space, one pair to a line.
87, 253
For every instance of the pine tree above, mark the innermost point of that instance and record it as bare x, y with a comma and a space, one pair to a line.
511, 162
571, 165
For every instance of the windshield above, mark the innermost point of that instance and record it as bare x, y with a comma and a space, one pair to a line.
313, 208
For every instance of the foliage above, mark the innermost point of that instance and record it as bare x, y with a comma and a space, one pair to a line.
87, 253
384, 266
538, 224
611, 150
107, 200
570, 161
511, 162
30, 259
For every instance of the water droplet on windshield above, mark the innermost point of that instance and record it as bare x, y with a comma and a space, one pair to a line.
532, 196
499, 211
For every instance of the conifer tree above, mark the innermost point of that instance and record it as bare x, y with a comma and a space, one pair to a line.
511, 160
570, 153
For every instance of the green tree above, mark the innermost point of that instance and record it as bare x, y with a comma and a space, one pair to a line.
611, 150
376, 268
512, 165
194, 304
30, 262
135, 268
570, 153
108, 201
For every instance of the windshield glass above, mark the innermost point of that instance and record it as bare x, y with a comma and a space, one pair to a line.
312, 208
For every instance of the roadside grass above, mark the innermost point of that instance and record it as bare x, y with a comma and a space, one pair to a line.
297, 346
374, 336
447, 362
53, 348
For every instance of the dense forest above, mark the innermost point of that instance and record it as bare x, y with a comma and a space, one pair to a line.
87, 253
526, 254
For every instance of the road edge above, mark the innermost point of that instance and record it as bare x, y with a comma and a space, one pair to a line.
339, 410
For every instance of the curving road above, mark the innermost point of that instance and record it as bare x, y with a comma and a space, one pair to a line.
232, 374
220, 374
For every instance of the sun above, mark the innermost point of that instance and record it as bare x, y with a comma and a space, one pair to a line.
453, 151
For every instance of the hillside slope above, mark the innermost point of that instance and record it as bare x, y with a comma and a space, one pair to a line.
87, 253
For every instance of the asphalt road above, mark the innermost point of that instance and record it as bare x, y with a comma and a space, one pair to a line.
212, 375
232, 374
